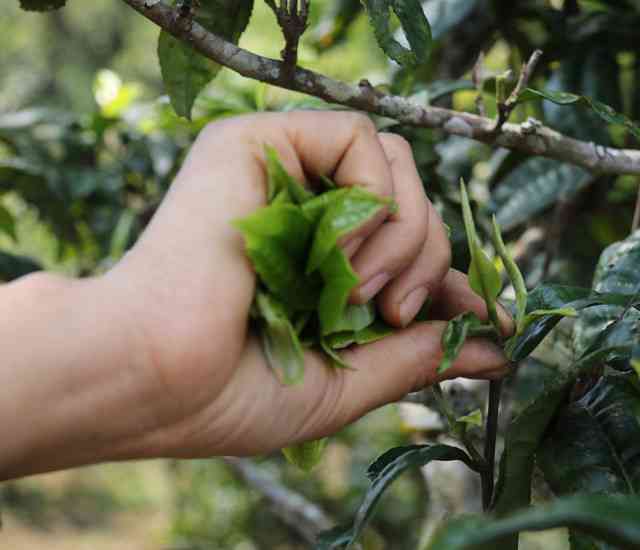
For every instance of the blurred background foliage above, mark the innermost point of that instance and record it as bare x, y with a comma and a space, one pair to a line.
89, 145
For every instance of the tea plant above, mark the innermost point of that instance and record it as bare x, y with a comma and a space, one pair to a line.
579, 427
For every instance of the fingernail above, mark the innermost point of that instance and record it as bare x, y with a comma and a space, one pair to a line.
352, 246
410, 306
367, 291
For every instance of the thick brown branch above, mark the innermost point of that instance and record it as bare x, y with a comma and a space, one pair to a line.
538, 140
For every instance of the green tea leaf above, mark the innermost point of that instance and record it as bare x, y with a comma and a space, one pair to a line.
484, 278
414, 24
279, 340
276, 240
307, 455
374, 332
635, 358
336, 361
454, 337
517, 280
356, 317
42, 5
343, 215
186, 72
611, 519
339, 280
382, 473
280, 180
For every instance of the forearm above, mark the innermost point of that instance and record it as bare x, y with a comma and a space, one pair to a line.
70, 376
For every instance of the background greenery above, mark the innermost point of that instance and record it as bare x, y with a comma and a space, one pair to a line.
88, 146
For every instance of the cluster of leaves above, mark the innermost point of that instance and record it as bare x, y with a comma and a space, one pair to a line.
304, 278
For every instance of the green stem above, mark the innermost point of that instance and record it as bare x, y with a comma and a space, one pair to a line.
495, 391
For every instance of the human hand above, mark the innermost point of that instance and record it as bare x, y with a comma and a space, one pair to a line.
187, 287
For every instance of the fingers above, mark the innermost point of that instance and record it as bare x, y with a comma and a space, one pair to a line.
387, 370
454, 296
403, 298
395, 244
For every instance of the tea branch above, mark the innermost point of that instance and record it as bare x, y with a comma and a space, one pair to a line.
540, 141
299, 514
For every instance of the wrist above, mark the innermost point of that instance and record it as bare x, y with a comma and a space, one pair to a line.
78, 359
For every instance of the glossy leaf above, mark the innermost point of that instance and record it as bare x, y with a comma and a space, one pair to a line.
339, 280
454, 337
307, 455
635, 358
413, 22
617, 273
42, 5
605, 112
546, 306
280, 342
612, 519
384, 471
594, 445
186, 72
341, 217
534, 186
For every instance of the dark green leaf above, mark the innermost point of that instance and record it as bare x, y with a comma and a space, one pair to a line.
42, 5
280, 341
186, 72
12, 267
532, 187
605, 112
608, 518
384, 471
594, 446
546, 306
350, 211
7, 223
307, 455
617, 273
523, 437
414, 24
339, 280
454, 337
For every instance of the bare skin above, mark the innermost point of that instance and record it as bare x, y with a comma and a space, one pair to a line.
155, 358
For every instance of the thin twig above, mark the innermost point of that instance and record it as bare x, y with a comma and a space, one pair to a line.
543, 142
505, 109
299, 514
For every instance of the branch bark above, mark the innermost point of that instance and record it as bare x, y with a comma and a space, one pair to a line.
304, 517
540, 141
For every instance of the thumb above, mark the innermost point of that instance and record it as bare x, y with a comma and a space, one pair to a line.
387, 370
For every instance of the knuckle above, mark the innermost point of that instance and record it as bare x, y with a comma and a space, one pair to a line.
396, 145
362, 123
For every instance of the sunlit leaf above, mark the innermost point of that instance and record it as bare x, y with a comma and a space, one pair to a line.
454, 337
